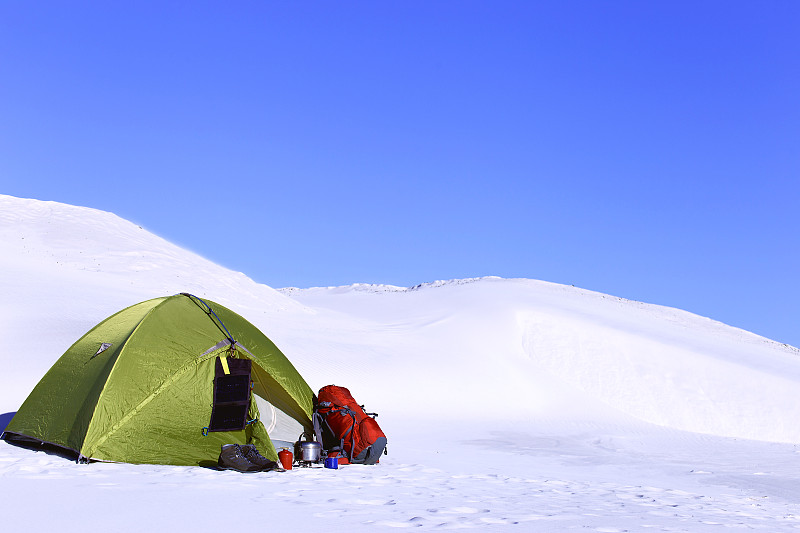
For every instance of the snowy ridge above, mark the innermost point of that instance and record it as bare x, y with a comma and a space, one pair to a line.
54, 238
379, 288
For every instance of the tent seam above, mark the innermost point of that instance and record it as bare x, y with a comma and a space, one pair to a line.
123, 347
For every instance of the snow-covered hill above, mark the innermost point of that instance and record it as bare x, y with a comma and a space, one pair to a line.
65, 268
507, 402
536, 349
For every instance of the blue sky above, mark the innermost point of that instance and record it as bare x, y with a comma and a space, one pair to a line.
644, 149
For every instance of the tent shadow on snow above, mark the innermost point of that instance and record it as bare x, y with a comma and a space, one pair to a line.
165, 381
5, 418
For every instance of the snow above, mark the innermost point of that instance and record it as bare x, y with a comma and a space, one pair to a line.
510, 404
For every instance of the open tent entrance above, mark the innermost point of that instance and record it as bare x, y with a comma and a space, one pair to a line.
281, 428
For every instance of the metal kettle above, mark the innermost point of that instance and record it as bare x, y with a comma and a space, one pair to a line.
308, 451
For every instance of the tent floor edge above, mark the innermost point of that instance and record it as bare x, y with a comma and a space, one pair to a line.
50, 448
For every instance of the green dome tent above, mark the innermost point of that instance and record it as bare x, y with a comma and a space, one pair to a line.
166, 381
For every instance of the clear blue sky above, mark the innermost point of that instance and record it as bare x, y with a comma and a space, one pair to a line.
650, 150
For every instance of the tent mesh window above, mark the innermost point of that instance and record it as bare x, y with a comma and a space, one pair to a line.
231, 395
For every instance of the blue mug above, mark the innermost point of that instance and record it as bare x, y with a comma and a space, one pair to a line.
332, 462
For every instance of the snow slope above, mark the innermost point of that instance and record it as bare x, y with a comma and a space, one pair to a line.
510, 405
66, 268
535, 349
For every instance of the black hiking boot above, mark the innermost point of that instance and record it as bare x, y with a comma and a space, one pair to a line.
250, 452
232, 457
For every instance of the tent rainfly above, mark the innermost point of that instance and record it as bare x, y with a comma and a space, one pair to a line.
166, 381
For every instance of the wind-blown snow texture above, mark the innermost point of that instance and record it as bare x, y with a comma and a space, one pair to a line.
510, 405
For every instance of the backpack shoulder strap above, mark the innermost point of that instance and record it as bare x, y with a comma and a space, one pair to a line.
316, 418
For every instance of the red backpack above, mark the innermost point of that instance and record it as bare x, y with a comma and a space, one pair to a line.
342, 426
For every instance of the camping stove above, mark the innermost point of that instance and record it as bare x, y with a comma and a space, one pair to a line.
307, 453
